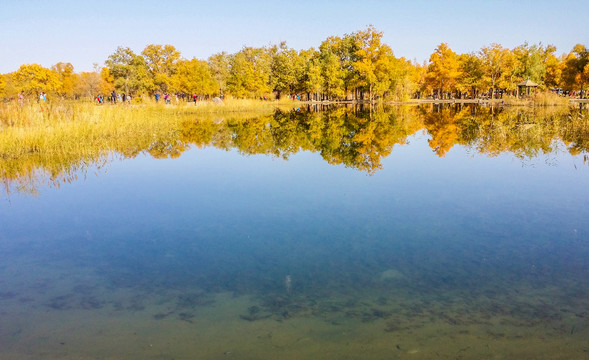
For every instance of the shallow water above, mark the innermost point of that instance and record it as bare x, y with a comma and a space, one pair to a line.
222, 255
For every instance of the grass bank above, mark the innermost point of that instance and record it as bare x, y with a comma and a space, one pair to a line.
33, 114
60, 138
539, 99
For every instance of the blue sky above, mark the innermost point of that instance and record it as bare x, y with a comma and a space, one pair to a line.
87, 32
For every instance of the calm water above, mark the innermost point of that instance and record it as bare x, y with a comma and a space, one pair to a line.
224, 253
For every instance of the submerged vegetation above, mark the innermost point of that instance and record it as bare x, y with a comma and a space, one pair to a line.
53, 143
357, 66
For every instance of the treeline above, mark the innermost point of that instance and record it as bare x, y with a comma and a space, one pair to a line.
357, 66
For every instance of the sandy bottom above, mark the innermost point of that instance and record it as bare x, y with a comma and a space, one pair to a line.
54, 313
218, 331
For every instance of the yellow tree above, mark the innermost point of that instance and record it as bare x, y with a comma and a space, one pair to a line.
107, 81
162, 61
443, 69
585, 74
7, 86
2, 85
67, 79
88, 84
219, 65
496, 64
554, 67
418, 76
472, 74
373, 61
574, 70
32, 79
403, 78
194, 77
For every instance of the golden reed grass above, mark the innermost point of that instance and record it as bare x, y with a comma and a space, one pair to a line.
59, 137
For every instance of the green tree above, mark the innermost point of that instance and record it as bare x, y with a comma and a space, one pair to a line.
312, 79
130, 72
333, 81
529, 64
337, 58
285, 69
249, 74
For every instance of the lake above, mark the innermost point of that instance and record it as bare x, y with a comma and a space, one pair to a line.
412, 233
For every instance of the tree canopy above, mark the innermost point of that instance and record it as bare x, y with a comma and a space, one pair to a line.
356, 66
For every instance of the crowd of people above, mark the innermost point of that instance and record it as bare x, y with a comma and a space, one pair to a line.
179, 96
115, 98
582, 94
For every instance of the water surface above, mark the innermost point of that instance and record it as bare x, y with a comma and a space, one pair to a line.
397, 236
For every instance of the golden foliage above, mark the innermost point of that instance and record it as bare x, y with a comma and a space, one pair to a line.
359, 66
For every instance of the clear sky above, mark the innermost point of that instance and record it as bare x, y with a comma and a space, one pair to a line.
86, 32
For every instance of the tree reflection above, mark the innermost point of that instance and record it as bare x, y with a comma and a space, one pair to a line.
353, 137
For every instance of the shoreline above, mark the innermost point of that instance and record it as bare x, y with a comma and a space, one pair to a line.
449, 101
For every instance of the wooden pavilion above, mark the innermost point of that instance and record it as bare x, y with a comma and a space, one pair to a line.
526, 88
